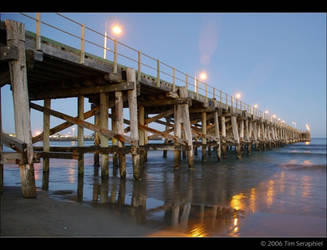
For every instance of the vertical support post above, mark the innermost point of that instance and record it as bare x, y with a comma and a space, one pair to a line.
115, 161
236, 137
164, 154
138, 65
82, 44
115, 56
241, 130
80, 134
173, 80
158, 74
206, 89
145, 138
186, 81
217, 135
223, 134
132, 103
183, 93
1, 148
103, 122
80, 143
105, 45
204, 133
250, 136
18, 77
226, 101
141, 133
46, 144
96, 143
196, 85
38, 32
177, 132
120, 130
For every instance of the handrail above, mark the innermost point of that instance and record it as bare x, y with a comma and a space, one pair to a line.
197, 85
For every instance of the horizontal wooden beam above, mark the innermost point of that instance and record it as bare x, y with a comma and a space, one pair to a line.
164, 102
13, 142
75, 151
16, 158
63, 93
105, 132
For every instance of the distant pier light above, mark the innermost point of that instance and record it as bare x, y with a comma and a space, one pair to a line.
203, 75
238, 95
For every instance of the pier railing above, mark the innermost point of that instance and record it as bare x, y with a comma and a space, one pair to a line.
145, 63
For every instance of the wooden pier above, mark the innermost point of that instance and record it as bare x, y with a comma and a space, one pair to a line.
42, 69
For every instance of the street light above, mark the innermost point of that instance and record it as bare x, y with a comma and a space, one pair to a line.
116, 30
203, 75
238, 95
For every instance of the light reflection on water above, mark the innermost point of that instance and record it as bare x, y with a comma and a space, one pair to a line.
213, 199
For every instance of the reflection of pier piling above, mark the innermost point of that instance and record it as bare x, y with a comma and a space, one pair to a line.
41, 69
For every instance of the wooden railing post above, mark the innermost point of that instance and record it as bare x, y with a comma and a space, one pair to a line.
115, 56
38, 31
82, 44
174, 82
158, 74
138, 65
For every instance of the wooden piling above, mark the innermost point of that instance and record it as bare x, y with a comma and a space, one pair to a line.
96, 163
177, 132
119, 117
18, 77
141, 133
103, 123
183, 92
217, 135
164, 154
115, 160
80, 133
132, 103
204, 133
1, 148
236, 137
223, 137
46, 145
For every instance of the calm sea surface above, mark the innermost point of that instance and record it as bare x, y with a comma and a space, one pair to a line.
281, 192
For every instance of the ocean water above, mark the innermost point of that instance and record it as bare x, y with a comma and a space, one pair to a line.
280, 192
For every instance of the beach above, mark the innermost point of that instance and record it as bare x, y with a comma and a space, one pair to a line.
276, 193
45, 217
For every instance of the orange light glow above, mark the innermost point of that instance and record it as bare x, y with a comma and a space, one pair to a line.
237, 201
116, 29
238, 95
203, 76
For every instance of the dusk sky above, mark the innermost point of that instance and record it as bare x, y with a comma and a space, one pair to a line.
276, 60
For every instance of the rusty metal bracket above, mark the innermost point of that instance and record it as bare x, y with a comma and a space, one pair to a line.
8, 53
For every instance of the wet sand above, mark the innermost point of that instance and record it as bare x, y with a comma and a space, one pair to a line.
45, 217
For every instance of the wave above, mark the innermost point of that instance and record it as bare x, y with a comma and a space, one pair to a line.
307, 153
296, 166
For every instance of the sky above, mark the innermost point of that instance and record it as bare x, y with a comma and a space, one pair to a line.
276, 60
